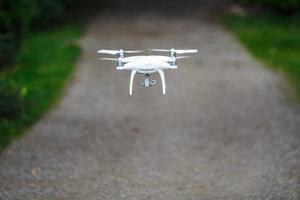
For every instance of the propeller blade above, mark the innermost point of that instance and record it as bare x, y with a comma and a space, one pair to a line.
180, 51
180, 57
163, 50
112, 52
114, 59
134, 51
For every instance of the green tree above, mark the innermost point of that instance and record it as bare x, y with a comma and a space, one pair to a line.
288, 5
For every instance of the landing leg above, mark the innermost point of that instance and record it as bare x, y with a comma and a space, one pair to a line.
163, 81
133, 72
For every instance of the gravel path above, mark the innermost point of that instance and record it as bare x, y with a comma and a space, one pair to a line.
226, 129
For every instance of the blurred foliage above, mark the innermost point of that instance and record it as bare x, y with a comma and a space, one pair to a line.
18, 17
11, 99
27, 89
272, 38
279, 5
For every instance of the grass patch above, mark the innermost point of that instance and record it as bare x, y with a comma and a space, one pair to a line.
273, 39
42, 68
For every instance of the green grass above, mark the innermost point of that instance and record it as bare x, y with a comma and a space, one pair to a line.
43, 66
273, 39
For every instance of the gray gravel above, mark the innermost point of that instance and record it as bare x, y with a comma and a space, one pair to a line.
228, 127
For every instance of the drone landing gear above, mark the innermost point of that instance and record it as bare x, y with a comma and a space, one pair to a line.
147, 82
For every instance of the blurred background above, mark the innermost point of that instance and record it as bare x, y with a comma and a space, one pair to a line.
228, 127
39, 33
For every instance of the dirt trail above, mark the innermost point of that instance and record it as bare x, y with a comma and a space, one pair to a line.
225, 129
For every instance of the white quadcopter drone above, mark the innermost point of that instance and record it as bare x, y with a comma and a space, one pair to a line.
147, 64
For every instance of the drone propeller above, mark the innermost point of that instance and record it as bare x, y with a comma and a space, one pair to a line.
114, 52
134, 51
180, 57
178, 51
113, 59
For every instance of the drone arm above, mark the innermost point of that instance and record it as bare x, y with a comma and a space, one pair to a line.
163, 81
132, 74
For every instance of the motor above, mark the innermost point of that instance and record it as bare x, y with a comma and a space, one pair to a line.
148, 81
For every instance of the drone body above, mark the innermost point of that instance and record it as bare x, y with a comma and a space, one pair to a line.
146, 64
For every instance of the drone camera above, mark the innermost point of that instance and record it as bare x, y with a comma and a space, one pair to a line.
147, 82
